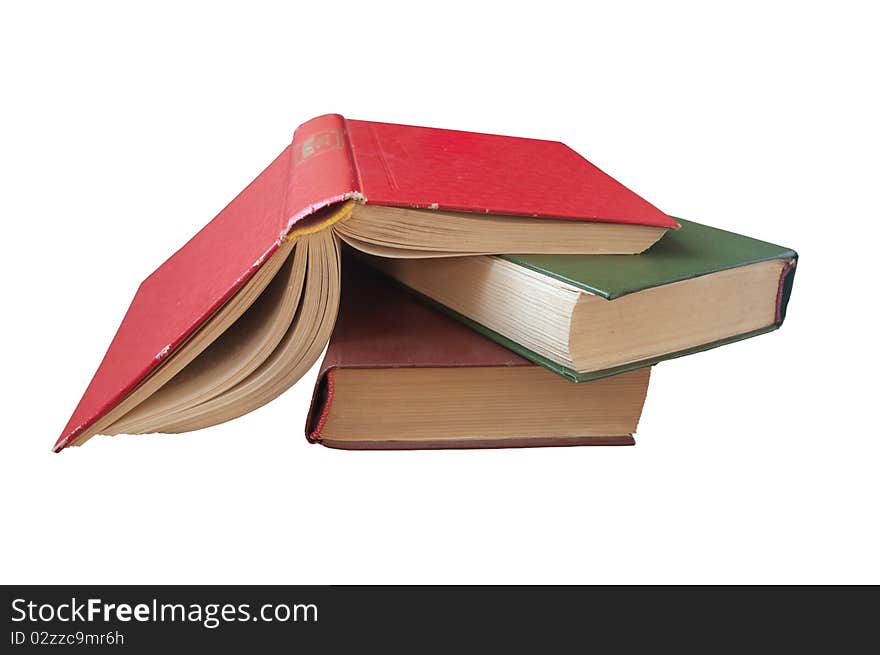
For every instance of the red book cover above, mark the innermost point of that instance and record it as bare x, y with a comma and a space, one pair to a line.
332, 159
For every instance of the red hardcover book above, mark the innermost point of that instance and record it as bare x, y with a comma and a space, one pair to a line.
400, 374
392, 190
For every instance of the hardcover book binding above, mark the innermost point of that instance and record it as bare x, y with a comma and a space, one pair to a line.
694, 251
382, 327
697, 277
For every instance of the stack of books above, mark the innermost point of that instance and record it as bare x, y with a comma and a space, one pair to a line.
475, 291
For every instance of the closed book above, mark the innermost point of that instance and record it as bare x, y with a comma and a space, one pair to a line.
589, 316
399, 374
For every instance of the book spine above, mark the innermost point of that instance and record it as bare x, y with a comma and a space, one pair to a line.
320, 405
786, 280
322, 169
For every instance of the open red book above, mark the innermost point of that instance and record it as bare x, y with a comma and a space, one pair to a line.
245, 307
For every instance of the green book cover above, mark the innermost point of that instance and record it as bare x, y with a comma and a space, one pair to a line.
689, 252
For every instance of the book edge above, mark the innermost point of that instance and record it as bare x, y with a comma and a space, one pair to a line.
479, 444
784, 253
574, 376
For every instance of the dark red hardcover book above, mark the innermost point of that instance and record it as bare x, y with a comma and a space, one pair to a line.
330, 161
400, 374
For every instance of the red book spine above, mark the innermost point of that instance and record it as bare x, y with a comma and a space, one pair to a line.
323, 169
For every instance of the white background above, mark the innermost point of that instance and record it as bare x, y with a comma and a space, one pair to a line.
124, 130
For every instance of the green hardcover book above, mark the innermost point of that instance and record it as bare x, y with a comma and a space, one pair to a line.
589, 316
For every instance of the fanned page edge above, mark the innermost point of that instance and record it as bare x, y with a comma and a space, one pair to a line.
97, 426
284, 195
